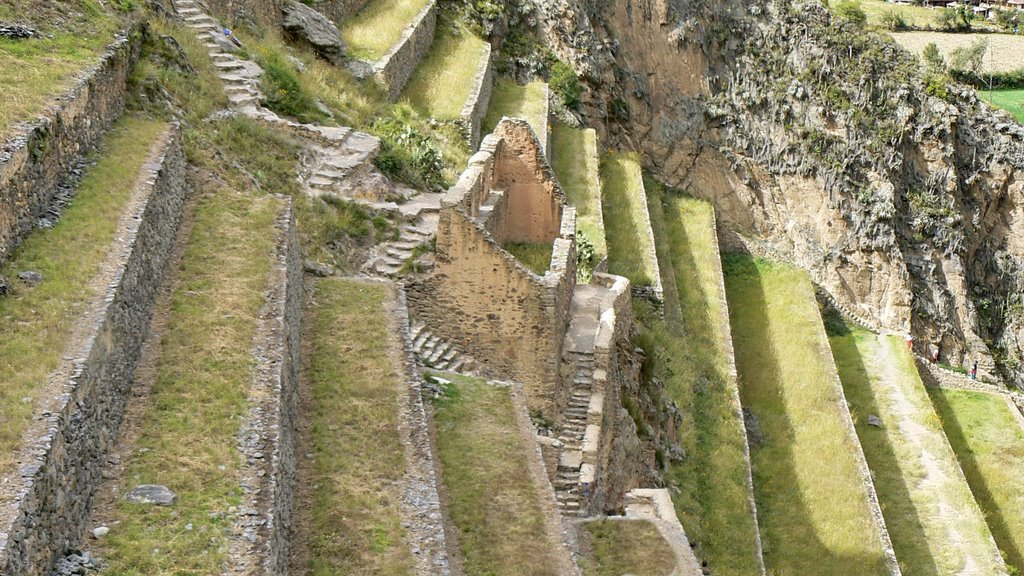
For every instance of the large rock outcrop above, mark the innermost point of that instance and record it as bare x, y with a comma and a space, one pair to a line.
307, 26
824, 145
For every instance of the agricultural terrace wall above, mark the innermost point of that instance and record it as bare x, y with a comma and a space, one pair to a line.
339, 10
40, 157
63, 454
475, 109
480, 296
398, 65
269, 429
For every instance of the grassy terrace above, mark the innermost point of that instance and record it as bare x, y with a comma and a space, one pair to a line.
372, 32
930, 512
534, 255
711, 496
1010, 100
616, 547
491, 498
989, 443
624, 219
35, 322
574, 158
355, 525
188, 437
528, 102
441, 84
812, 505
34, 70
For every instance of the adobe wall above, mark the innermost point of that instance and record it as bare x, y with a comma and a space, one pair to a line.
398, 65
480, 297
38, 159
64, 452
475, 109
268, 433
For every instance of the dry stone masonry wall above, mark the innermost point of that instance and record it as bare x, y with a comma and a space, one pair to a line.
267, 436
480, 296
40, 157
63, 455
475, 109
398, 65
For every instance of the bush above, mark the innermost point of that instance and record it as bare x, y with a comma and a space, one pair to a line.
969, 59
932, 58
893, 20
955, 19
850, 11
565, 83
282, 91
585, 257
408, 156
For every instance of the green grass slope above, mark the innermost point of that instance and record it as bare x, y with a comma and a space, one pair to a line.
372, 32
617, 547
989, 442
812, 503
354, 525
574, 158
690, 356
929, 509
35, 322
625, 219
526, 101
442, 82
492, 500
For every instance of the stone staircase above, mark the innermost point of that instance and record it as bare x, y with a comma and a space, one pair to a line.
568, 488
398, 258
433, 351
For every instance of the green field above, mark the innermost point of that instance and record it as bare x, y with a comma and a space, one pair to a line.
372, 32
625, 219
930, 512
36, 321
441, 84
574, 158
812, 503
526, 101
616, 547
1010, 100
989, 443
355, 525
536, 256
492, 499
688, 351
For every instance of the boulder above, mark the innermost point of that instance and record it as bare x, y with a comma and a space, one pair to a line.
305, 25
151, 494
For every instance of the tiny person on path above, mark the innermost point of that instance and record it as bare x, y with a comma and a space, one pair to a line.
909, 340
935, 354
974, 371
230, 36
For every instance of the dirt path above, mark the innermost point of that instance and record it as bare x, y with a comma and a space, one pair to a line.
942, 478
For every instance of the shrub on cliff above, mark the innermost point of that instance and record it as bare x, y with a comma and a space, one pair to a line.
850, 11
565, 83
282, 91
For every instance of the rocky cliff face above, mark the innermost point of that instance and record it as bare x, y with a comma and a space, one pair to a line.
826, 146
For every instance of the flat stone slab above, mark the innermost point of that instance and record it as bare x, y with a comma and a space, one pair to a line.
151, 494
571, 459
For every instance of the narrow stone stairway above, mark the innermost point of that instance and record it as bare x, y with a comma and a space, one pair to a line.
411, 253
570, 461
433, 351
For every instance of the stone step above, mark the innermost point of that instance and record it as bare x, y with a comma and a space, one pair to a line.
233, 64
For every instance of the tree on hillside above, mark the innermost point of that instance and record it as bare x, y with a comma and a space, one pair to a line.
850, 11
969, 59
955, 18
933, 59
893, 20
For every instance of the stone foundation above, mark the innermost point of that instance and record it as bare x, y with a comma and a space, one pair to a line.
64, 452
37, 160
267, 437
398, 65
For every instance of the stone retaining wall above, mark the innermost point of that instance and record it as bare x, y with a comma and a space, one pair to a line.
475, 109
64, 452
545, 131
267, 437
38, 158
653, 293
398, 65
